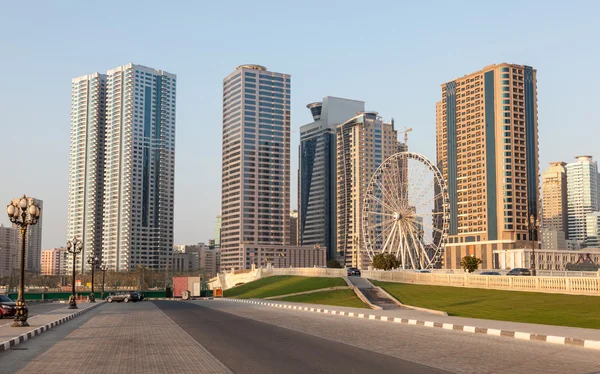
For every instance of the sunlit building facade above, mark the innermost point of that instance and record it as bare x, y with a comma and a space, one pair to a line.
487, 150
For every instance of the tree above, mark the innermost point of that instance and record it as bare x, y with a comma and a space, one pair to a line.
385, 261
470, 263
334, 264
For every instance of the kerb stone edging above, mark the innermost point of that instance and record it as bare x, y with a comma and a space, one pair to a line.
591, 344
5, 346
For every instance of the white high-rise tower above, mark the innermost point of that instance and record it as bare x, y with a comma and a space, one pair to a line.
582, 195
139, 168
121, 190
86, 168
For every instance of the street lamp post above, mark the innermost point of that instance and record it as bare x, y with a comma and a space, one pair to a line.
22, 212
93, 261
103, 269
74, 247
533, 230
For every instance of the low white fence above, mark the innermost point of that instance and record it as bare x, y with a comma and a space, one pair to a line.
567, 285
542, 273
305, 272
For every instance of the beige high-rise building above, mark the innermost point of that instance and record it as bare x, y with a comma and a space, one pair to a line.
554, 205
255, 200
363, 143
487, 150
52, 259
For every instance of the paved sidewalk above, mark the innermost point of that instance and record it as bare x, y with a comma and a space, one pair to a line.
590, 338
11, 336
127, 338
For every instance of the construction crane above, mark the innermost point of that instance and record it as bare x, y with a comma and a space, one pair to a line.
405, 132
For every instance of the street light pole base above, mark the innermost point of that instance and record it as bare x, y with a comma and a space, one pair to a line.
18, 323
72, 302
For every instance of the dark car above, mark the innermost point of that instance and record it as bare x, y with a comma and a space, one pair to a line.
353, 271
126, 297
519, 271
8, 307
489, 273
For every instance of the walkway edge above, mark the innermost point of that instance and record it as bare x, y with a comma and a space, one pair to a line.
591, 344
5, 346
432, 311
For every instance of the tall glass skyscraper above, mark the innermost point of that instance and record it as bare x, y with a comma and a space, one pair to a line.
255, 202
122, 166
317, 176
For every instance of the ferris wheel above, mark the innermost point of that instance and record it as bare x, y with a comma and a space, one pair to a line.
405, 211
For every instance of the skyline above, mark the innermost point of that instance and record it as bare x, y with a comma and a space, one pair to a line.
403, 83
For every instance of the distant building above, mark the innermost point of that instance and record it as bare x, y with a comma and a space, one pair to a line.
363, 143
195, 258
553, 239
53, 261
9, 251
487, 150
583, 190
593, 230
294, 227
33, 243
208, 262
285, 255
554, 205
317, 176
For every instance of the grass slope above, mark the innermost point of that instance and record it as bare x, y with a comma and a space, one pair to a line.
335, 297
281, 285
529, 307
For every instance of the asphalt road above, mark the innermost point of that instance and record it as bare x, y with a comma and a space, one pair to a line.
35, 309
249, 346
454, 351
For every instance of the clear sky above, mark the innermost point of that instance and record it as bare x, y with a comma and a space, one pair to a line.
392, 54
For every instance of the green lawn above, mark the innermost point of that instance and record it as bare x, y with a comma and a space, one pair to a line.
281, 285
335, 297
529, 307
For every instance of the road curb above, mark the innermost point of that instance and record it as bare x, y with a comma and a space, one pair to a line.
5, 346
561, 340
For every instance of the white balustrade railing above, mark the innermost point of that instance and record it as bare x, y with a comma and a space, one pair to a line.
579, 284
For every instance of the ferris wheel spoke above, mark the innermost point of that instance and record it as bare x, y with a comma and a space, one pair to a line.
389, 183
384, 192
433, 228
424, 193
421, 253
409, 250
387, 240
398, 181
433, 199
386, 222
382, 203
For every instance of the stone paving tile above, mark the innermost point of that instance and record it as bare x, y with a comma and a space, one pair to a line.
127, 338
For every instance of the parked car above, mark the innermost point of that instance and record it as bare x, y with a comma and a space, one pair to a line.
126, 297
519, 271
353, 271
489, 273
8, 307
